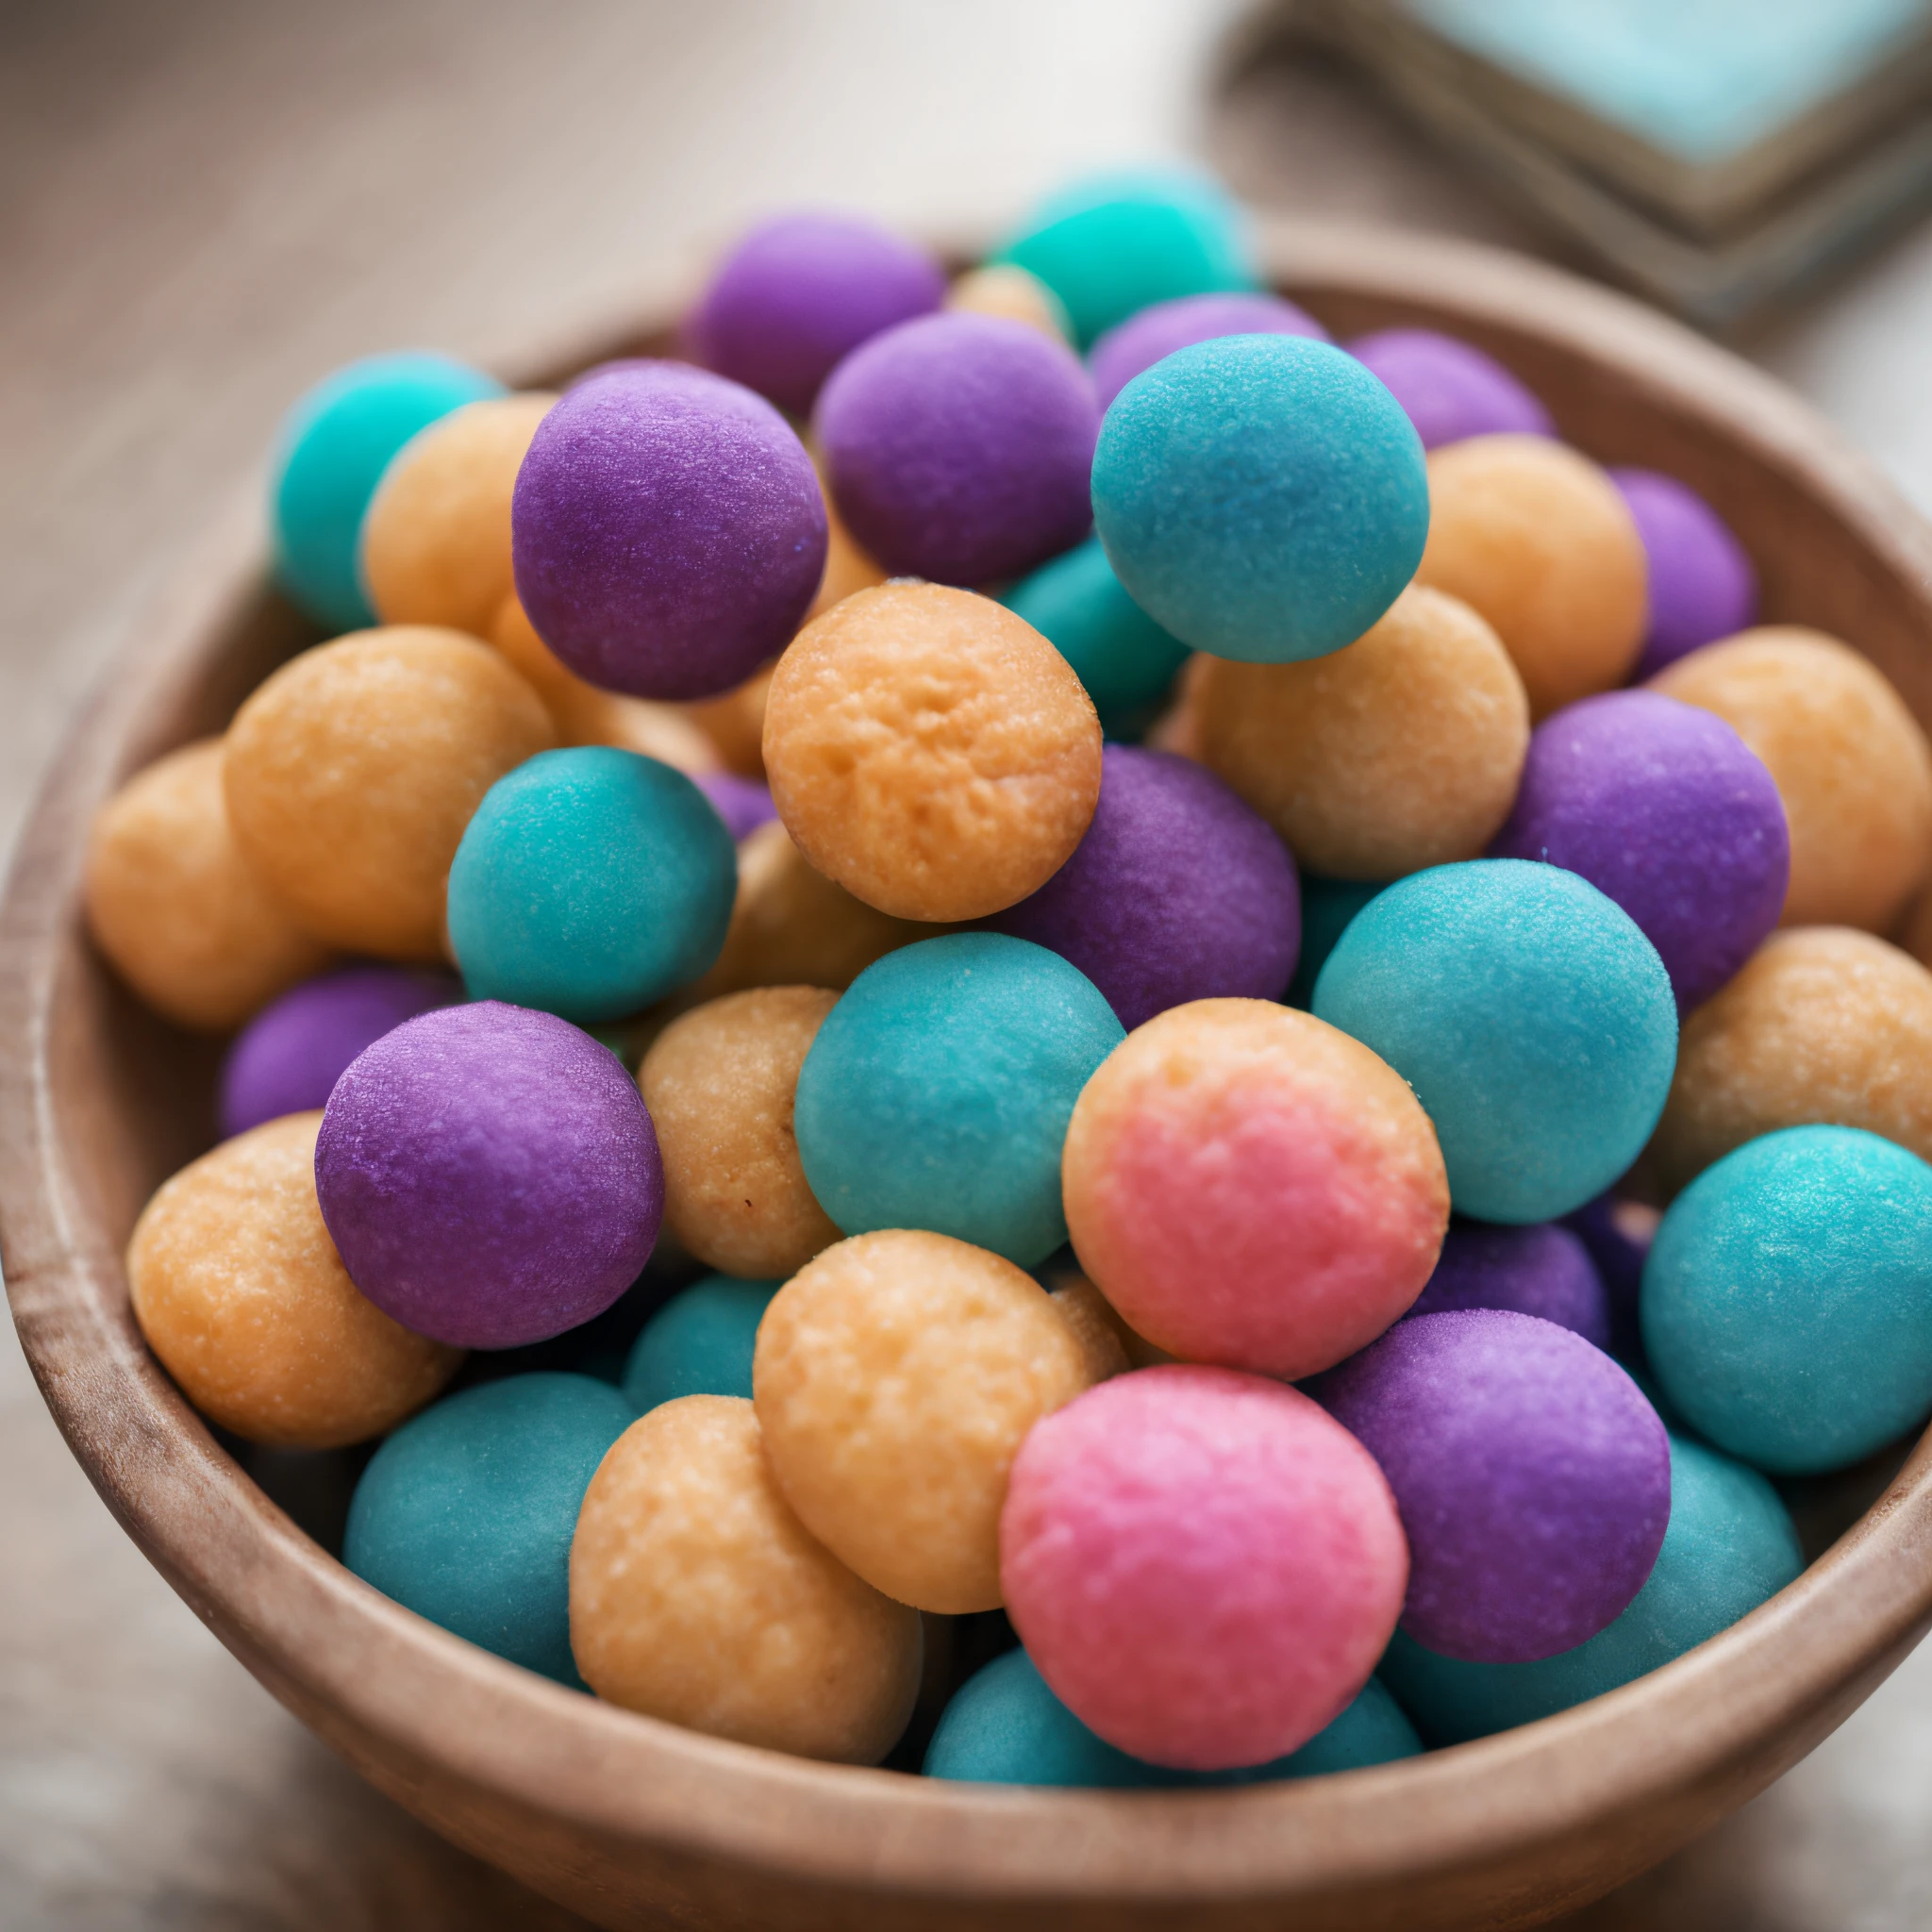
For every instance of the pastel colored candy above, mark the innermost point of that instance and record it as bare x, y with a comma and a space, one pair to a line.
1544, 1270
1702, 583
698, 1343
1155, 332
1000, 288
1327, 906
743, 804
1618, 1234
1450, 389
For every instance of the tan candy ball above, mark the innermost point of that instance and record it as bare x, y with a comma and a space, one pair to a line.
848, 568
1402, 750
353, 770
895, 1377
1100, 1332
698, 1597
719, 1082
1003, 289
1849, 760
931, 752
735, 723
241, 1294
1536, 539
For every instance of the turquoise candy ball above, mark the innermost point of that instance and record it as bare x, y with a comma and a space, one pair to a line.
465, 1514
699, 1342
1787, 1302
1262, 497
1327, 906
938, 1091
1730, 1546
334, 447
590, 883
1533, 1019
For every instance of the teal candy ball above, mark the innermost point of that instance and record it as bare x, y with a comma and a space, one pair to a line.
1730, 1546
1327, 906
1787, 1303
699, 1342
590, 883
465, 1515
938, 1091
1262, 497
334, 447
1533, 1019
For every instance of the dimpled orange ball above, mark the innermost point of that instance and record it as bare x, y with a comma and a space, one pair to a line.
1849, 760
241, 1294
352, 773
698, 1597
1400, 751
931, 752
1536, 539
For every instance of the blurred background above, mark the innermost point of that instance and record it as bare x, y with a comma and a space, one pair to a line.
205, 204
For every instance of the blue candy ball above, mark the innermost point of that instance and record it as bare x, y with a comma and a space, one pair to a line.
1787, 1303
699, 1342
590, 883
938, 1091
1262, 497
1533, 1019
1327, 906
465, 1515
334, 447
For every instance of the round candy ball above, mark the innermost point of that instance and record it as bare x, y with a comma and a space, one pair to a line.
1262, 497
1327, 906
1787, 1303
1663, 808
957, 447
240, 1292
1401, 751
1544, 1270
490, 1175
1154, 333
1533, 1477
1532, 1018
1249, 1187
931, 752
700, 1343
334, 445
667, 531
937, 1093
1449, 389
743, 804
1702, 585
1203, 1566
1538, 540
465, 1514
803, 290
698, 1596
1001, 289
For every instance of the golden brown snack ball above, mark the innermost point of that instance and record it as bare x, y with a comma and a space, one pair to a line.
735, 723
848, 568
698, 1597
241, 1294
931, 752
719, 1082
1536, 539
172, 903
1005, 288
895, 1377
1100, 1333
1402, 750
1850, 763
353, 770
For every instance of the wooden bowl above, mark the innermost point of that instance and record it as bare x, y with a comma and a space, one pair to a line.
637, 1823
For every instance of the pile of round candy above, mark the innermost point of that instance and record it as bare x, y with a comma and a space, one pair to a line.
1179, 894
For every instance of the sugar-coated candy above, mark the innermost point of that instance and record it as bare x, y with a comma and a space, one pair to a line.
1002, 288
490, 1175
1327, 906
1153, 333
465, 1515
896, 1374
1249, 1187
334, 445
743, 804
735, 723
1262, 497
931, 752
240, 1292
1400, 751
1534, 1479
1618, 1234
937, 1093
1529, 1013
1663, 808
700, 1343
1100, 1332
957, 447
1543, 1270
667, 531
1449, 389
1203, 1566
1702, 584
698, 1596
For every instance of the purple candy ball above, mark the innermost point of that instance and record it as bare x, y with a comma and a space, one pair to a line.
743, 804
1533, 1478
1618, 1234
668, 531
1143, 339
1702, 585
289, 1057
1665, 809
1543, 1270
1177, 893
799, 293
1449, 389
958, 447
490, 1175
